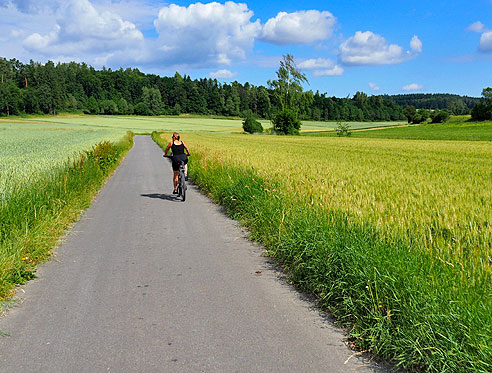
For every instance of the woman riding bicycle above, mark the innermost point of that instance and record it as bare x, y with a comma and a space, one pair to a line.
178, 148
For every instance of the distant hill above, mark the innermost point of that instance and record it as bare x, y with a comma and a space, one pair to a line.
455, 104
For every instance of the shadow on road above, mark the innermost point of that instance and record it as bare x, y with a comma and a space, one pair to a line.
167, 197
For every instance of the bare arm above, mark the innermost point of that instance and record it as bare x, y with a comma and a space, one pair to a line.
186, 147
167, 148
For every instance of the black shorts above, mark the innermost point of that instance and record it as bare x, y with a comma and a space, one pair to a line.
179, 159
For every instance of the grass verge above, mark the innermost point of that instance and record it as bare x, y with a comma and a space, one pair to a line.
402, 304
35, 216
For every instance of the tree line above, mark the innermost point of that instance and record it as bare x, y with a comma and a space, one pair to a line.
64, 87
454, 104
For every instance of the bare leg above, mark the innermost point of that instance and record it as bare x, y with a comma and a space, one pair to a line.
175, 180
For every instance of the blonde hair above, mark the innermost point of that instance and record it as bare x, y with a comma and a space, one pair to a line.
176, 135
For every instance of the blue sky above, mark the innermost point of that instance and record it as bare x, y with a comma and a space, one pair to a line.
378, 46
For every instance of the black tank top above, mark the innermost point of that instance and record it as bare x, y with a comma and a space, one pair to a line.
178, 149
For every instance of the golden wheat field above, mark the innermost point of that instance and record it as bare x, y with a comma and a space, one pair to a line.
438, 191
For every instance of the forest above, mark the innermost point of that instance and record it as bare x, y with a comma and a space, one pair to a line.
455, 104
76, 87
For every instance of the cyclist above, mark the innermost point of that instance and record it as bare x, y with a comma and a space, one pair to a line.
178, 148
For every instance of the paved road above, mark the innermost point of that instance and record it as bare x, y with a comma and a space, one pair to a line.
145, 283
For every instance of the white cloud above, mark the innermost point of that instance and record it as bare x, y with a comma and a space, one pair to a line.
416, 44
374, 86
300, 27
223, 74
100, 32
413, 87
334, 71
206, 34
81, 29
486, 42
16, 25
38, 42
476, 27
321, 67
367, 48
318, 63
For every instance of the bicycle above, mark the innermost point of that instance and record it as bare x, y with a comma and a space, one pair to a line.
181, 187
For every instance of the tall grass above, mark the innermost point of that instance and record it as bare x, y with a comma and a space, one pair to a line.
387, 234
35, 214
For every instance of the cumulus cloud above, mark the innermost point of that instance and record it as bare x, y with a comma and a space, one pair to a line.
223, 74
206, 34
413, 87
367, 48
374, 86
321, 67
485, 44
300, 27
81, 28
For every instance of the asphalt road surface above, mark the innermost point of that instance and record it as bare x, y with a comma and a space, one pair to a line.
147, 283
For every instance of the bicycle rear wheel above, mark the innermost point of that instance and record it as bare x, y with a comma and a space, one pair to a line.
183, 188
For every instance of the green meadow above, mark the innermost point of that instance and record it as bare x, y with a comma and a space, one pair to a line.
468, 131
183, 123
458, 128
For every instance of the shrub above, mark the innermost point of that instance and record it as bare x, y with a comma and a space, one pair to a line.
421, 116
104, 155
343, 129
439, 116
251, 125
285, 122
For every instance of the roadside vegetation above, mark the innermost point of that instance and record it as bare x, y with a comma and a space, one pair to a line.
47, 179
394, 237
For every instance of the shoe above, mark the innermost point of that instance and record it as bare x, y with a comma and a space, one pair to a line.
175, 192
